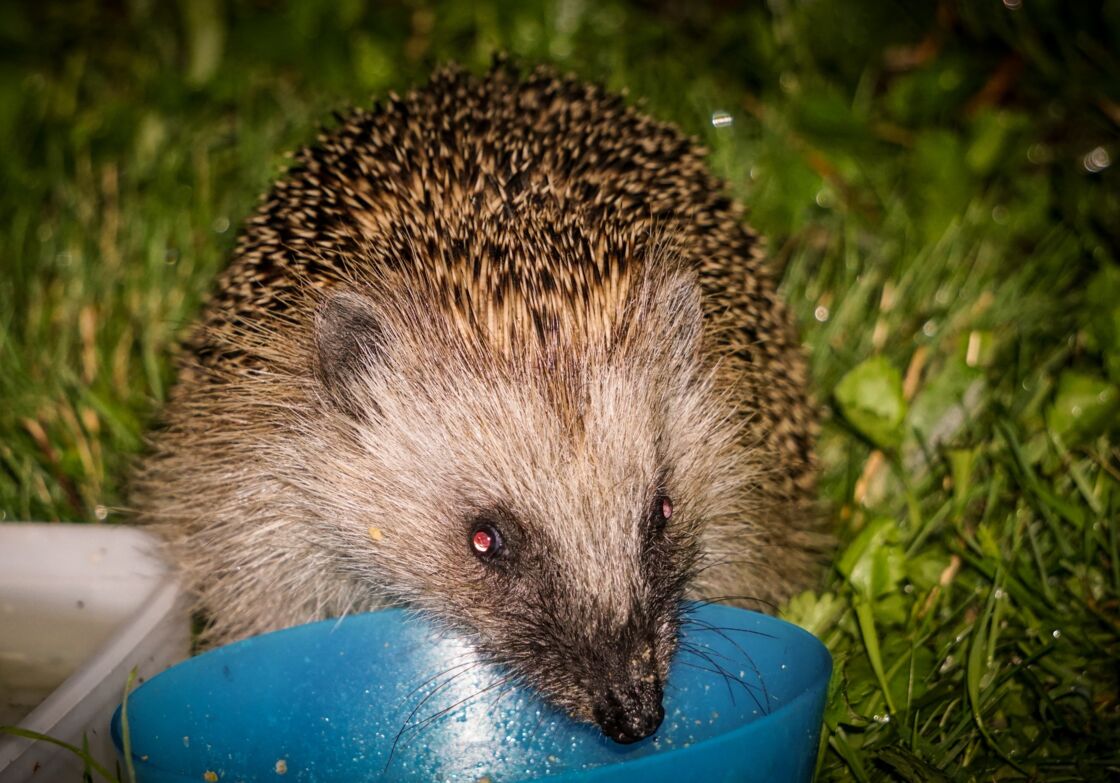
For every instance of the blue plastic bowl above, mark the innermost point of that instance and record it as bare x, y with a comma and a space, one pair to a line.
384, 697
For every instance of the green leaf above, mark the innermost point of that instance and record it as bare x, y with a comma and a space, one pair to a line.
870, 397
924, 570
1084, 407
816, 614
874, 562
1103, 298
993, 133
947, 402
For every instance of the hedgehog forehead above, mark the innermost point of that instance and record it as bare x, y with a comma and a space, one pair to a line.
497, 436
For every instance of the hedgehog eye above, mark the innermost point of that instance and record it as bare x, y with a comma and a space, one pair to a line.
485, 541
661, 512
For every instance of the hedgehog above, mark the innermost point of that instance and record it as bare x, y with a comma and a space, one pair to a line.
504, 352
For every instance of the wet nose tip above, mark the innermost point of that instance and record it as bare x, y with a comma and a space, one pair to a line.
628, 723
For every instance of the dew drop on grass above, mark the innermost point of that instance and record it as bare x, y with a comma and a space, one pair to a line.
1096, 160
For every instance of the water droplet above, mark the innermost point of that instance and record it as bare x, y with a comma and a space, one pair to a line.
100, 512
929, 328
1000, 594
1012, 5
1057, 634
821, 313
1000, 214
721, 119
1096, 160
220, 224
1038, 153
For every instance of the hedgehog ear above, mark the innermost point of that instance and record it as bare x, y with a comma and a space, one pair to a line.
349, 341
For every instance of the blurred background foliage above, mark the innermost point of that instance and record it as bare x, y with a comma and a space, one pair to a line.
938, 184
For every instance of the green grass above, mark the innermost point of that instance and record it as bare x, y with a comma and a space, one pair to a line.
935, 184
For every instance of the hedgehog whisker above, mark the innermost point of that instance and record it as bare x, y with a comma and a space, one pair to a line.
692, 606
722, 629
746, 655
703, 625
435, 690
440, 674
723, 673
418, 728
729, 677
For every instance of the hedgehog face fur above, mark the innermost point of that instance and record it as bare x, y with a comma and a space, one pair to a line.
590, 482
502, 352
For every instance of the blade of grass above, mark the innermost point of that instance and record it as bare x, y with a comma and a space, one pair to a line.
865, 615
86, 758
126, 733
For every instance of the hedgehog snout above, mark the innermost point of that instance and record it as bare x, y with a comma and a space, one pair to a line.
626, 702
629, 711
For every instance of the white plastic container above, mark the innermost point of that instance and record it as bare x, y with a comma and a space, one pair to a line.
80, 606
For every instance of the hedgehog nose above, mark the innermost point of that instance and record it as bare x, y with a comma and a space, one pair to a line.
630, 714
